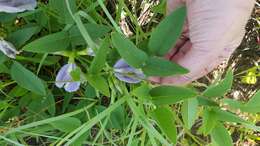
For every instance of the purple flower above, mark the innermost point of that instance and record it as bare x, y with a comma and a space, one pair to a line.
64, 79
126, 73
8, 49
15, 6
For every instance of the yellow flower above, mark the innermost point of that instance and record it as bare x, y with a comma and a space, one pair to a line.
250, 78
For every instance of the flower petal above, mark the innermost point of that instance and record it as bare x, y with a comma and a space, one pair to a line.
126, 73
90, 52
127, 79
8, 49
63, 76
72, 86
121, 64
14, 6
139, 74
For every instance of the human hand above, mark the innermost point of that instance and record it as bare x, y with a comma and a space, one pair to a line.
213, 30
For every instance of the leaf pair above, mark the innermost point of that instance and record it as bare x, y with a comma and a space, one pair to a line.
212, 125
162, 40
98, 63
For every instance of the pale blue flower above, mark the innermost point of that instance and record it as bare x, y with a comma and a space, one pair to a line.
90, 52
64, 79
15, 6
126, 73
8, 49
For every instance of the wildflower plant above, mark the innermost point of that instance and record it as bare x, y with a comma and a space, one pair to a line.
107, 97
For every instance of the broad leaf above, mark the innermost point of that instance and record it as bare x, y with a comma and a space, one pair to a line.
67, 124
221, 88
27, 79
90, 92
99, 83
118, 118
253, 105
189, 112
167, 33
142, 92
128, 51
235, 104
227, 116
220, 136
100, 59
171, 94
21, 36
156, 66
50, 43
206, 101
3, 58
95, 31
49, 60
51, 105
165, 119
60, 7
209, 121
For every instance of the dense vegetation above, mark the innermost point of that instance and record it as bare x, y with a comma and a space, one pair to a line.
80, 77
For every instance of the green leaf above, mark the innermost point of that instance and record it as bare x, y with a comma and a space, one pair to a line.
209, 121
21, 36
253, 105
17, 91
66, 102
51, 105
50, 60
228, 116
24, 100
235, 104
81, 139
7, 17
9, 113
95, 31
118, 118
220, 136
160, 67
128, 51
99, 83
100, 59
50, 43
166, 34
4, 69
60, 8
165, 119
221, 88
171, 94
67, 124
142, 92
76, 74
27, 79
90, 92
189, 112
3, 58
206, 101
